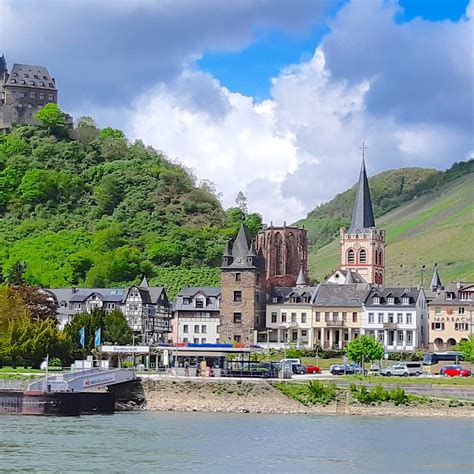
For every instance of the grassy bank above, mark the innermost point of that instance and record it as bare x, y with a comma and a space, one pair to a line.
467, 381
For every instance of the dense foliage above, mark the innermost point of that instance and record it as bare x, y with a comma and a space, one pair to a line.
87, 207
467, 349
364, 349
389, 190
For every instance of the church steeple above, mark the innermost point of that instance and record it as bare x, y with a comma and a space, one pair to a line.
435, 284
301, 280
362, 214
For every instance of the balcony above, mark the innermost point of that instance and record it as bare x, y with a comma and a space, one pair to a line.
390, 326
335, 323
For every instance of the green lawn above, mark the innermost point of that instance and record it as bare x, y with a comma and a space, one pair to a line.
409, 380
20, 370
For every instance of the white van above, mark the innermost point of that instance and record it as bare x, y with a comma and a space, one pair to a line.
290, 361
403, 368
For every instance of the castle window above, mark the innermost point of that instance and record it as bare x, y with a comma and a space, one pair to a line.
350, 256
32, 83
36, 76
32, 95
362, 256
238, 296
13, 81
237, 318
238, 277
15, 74
23, 81
50, 84
42, 84
25, 75
45, 78
50, 97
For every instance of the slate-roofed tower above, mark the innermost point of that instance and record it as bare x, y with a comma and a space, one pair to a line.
362, 246
242, 290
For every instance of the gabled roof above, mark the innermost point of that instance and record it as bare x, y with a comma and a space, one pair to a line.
43, 79
453, 289
113, 295
212, 295
329, 294
397, 293
362, 213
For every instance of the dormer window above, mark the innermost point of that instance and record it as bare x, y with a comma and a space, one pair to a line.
406, 300
199, 303
376, 300
391, 300
13, 81
449, 296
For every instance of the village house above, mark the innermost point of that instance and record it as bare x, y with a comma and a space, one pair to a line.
451, 316
196, 315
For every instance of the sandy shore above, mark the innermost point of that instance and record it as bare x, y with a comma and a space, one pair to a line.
214, 395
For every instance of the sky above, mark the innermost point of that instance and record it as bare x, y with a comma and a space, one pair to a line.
269, 97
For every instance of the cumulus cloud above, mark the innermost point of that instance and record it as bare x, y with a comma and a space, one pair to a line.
406, 89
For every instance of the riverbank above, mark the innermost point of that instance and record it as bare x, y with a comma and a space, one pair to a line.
245, 396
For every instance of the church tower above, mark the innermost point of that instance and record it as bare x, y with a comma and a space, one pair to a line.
242, 291
363, 246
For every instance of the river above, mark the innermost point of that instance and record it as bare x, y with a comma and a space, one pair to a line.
199, 442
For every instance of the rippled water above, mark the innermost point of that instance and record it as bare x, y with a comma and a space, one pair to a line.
173, 442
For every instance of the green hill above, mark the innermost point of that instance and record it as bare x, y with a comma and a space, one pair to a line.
434, 223
86, 207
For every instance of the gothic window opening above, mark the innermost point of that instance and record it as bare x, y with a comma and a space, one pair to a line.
350, 256
278, 254
362, 256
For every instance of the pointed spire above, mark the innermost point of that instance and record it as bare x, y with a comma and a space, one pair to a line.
3, 63
349, 277
301, 280
241, 243
227, 252
362, 214
251, 252
144, 282
436, 284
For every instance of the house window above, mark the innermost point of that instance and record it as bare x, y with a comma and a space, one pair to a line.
318, 316
237, 337
461, 310
303, 318
274, 317
354, 317
380, 318
371, 318
203, 329
203, 340
196, 340
304, 333
238, 296
199, 303
350, 256
196, 328
390, 317
185, 339
409, 337
437, 326
344, 316
185, 329
77, 306
326, 315
391, 300
362, 256
238, 276
400, 337
409, 318
406, 300
376, 300
237, 318
400, 318
110, 305
293, 317
437, 310
461, 326
335, 315
283, 317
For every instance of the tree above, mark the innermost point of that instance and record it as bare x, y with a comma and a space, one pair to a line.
366, 348
52, 118
467, 349
241, 201
39, 304
16, 273
116, 329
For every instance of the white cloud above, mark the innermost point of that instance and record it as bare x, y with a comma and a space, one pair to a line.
301, 147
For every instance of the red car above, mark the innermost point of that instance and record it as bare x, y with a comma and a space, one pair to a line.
312, 369
455, 371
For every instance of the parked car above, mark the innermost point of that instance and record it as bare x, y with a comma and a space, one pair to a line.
345, 369
313, 369
404, 369
290, 361
299, 369
455, 371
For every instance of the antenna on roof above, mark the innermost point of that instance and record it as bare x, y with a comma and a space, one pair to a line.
363, 148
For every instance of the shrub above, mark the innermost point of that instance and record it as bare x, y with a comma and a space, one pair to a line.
316, 392
398, 396
378, 394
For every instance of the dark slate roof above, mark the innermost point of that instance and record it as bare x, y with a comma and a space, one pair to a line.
283, 294
362, 214
350, 276
397, 293
329, 294
212, 295
81, 294
43, 79
194, 290
301, 280
149, 294
453, 289
3, 63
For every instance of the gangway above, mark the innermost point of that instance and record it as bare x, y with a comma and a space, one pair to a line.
83, 380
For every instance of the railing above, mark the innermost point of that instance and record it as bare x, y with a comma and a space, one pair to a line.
335, 323
390, 325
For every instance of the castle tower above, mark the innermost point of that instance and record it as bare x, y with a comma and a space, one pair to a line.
242, 291
363, 246
285, 250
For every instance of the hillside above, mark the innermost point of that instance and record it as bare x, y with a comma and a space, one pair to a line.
436, 226
86, 207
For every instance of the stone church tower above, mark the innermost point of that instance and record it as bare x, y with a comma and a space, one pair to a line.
242, 291
285, 251
363, 246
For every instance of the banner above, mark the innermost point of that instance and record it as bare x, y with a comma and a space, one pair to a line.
97, 337
82, 337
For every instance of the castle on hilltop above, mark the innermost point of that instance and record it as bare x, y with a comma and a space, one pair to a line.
23, 91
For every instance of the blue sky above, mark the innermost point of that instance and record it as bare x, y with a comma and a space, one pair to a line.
250, 70
269, 97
